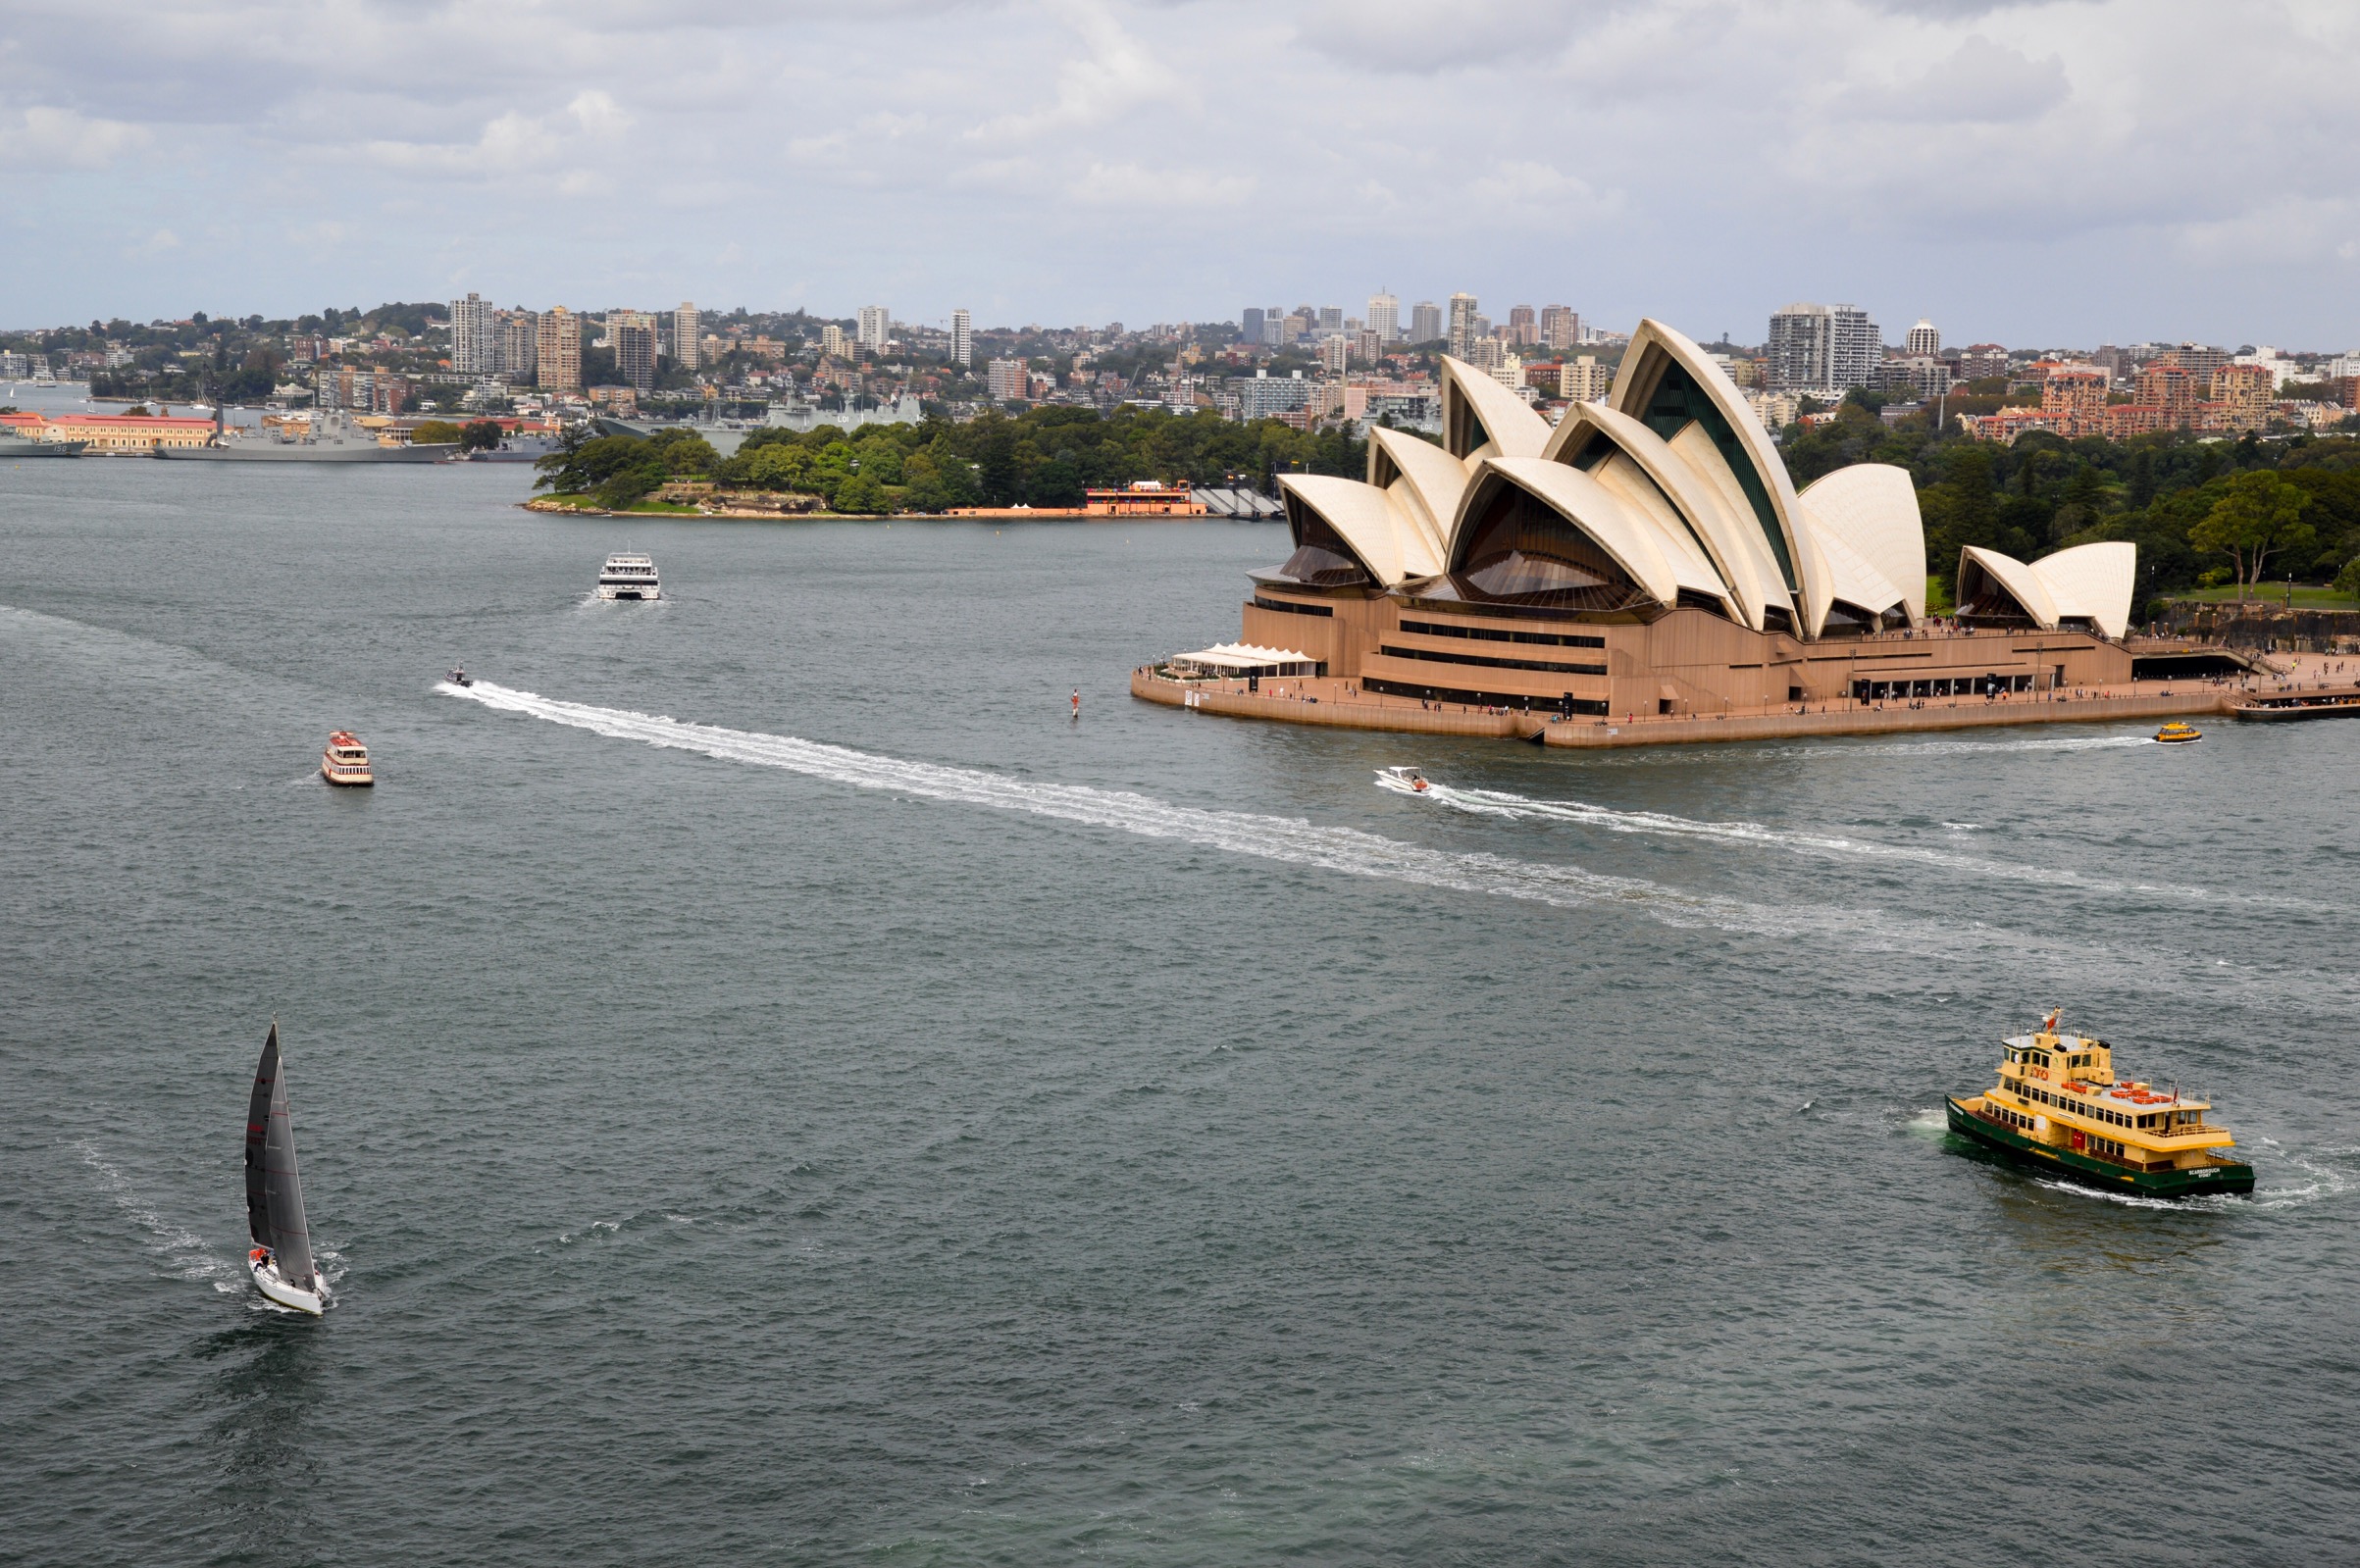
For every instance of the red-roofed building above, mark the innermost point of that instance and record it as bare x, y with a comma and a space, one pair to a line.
112, 432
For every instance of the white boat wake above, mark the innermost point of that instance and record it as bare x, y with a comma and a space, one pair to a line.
1501, 804
1289, 840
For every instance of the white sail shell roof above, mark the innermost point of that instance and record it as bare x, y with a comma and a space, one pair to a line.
1868, 513
1635, 382
1514, 428
1427, 479
1659, 563
2093, 581
2024, 585
1731, 539
1377, 524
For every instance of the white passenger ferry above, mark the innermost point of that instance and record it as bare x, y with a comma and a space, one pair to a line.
629, 577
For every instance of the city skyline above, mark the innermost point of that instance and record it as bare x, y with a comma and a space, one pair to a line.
2037, 170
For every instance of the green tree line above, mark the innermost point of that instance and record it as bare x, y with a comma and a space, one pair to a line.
1039, 457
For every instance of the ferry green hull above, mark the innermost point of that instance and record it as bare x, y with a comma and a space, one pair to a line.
2032, 1155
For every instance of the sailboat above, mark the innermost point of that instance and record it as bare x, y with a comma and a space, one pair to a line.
280, 1260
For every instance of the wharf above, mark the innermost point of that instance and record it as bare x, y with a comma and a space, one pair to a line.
1337, 704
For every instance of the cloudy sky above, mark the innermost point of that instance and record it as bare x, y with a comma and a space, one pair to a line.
2064, 173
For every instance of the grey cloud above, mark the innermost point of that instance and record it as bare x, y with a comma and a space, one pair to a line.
1414, 37
1980, 82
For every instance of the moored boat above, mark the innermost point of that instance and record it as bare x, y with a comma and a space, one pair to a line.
2177, 733
280, 1260
2281, 708
2059, 1108
345, 761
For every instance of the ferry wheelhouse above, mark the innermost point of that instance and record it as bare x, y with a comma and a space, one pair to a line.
346, 760
2058, 1107
629, 577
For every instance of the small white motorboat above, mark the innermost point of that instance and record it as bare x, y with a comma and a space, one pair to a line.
281, 1259
1403, 777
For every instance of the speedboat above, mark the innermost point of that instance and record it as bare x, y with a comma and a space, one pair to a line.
460, 678
346, 760
280, 1260
1404, 777
2176, 733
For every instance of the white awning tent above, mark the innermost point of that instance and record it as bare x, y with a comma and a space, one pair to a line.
1245, 658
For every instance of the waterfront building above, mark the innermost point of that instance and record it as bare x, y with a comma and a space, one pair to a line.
121, 435
875, 326
1650, 554
473, 340
685, 336
1385, 317
1463, 327
1560, 327
962, 337
557, 352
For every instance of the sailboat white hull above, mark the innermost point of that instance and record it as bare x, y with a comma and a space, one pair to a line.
268, 1282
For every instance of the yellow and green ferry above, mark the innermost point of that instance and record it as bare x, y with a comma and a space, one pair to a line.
2059, 1108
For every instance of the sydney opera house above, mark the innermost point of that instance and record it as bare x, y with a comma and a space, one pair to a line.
1650, 555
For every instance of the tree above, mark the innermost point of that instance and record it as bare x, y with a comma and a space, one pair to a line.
861, 494
435, 432
480, 435
2259, 515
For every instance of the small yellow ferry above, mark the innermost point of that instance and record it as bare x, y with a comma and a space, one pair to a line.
346, 760
2177, 733
2059, 1108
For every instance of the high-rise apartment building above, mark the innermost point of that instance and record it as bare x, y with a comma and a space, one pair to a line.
962, 337
2169, 388
1335, 353
1823, 348
1584, 380
1331, 319
557, 352
1425, 322
1463, 329
1560, 327
1385, 317
833, 343
876, 324
1523, 326
1007, 381
632, 334
687, 334
1924, 338
518, 349
473, 343
1250, 324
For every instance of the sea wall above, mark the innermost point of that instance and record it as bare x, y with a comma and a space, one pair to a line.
1592, 733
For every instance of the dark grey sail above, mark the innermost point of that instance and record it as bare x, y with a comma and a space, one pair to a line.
258, 1130
282, 1189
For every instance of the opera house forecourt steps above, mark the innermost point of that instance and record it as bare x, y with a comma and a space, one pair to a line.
1645, 572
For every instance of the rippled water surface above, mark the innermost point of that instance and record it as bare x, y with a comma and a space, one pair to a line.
773, 1088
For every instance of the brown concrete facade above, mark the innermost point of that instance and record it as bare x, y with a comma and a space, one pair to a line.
1685, 662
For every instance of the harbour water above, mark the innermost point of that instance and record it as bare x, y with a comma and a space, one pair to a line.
773, 1088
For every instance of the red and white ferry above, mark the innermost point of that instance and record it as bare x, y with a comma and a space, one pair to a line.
346, 760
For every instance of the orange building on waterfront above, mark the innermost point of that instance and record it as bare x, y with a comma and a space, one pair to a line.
112, 432
1143, 499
